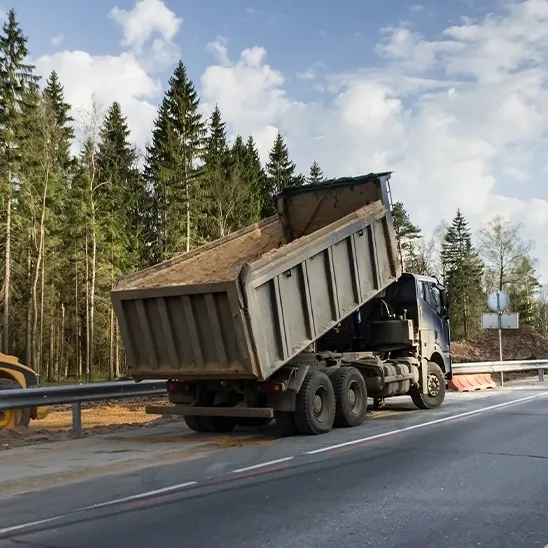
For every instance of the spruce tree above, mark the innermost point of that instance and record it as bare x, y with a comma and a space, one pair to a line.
280, 173
218, 202
463, 278
121, 193
407, 237
18, 87
172, 169
316, 174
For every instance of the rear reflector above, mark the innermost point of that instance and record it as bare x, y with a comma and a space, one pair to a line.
177, 387
271, 387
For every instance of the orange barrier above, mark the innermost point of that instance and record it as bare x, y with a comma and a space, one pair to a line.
470, 383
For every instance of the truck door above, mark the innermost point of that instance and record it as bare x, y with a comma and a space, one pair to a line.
434, 315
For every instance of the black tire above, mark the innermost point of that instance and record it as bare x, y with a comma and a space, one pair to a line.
315, 408
219, 425
253, 422
13, 418
195, 423
350, 396
436, 389
286, 423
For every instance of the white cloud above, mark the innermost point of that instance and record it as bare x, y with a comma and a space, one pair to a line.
110, 78
150, 23
149, 30
462, 120
57, 40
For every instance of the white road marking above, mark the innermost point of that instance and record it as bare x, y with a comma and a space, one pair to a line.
15, 528
140, 495
29, 524
426, 424
22, 526
262, 465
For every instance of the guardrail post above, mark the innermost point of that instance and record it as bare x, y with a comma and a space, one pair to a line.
77, 418
541, 375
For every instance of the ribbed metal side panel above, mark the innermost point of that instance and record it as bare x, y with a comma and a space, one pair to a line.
295, 307
184, 334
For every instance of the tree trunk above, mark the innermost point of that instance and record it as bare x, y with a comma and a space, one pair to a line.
42, 291
28, 341
63, 364
88, 321
7, 273
92, 302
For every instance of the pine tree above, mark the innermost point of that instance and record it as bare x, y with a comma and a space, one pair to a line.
18, 86
280, 173
463, 278
41, 204
172, 169
524, 290
121, 192
407, 238
316, 174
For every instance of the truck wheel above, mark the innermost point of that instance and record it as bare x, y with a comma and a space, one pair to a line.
286, 422
195, 423
350, 395
315, 408
253, 422
436, 389
218, 425
12, 418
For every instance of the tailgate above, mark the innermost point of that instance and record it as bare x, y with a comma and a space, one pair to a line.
188, 331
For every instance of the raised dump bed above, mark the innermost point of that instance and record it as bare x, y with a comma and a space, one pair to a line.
244, 305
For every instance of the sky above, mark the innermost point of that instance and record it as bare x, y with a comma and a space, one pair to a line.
450, 95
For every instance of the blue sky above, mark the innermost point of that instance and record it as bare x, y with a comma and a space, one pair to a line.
296, 35
451, 95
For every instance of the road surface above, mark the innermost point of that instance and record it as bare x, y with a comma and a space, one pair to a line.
475, 475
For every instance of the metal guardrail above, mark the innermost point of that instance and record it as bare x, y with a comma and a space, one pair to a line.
76, 394
510, 366
81, 393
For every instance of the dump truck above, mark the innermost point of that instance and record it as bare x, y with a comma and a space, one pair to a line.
15, 375
303, 318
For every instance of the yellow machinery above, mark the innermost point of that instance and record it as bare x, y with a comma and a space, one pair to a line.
14, 375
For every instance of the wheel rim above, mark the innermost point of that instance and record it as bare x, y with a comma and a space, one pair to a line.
320, 404
434, 385
7, 418
355, 397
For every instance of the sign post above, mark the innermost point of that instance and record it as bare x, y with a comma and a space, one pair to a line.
498, 302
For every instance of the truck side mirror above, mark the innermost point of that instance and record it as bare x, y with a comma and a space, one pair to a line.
444, 301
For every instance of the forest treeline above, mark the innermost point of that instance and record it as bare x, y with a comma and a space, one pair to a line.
70, 225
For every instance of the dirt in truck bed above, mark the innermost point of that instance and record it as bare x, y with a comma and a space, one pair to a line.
216, 264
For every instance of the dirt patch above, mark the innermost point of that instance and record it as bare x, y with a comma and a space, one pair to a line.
519, 344
96, 420
216, 264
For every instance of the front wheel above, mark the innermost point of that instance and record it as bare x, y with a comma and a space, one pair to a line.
436, 389
12, 418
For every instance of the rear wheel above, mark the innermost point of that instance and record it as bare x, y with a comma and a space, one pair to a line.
315, 409
195, 423
12, 418
253, 422
286, 422
218, 425
436, 389
350, 395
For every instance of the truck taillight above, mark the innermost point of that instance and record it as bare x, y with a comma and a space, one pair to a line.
178, 387
271, 387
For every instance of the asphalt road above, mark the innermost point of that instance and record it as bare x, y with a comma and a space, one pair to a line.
480, 480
